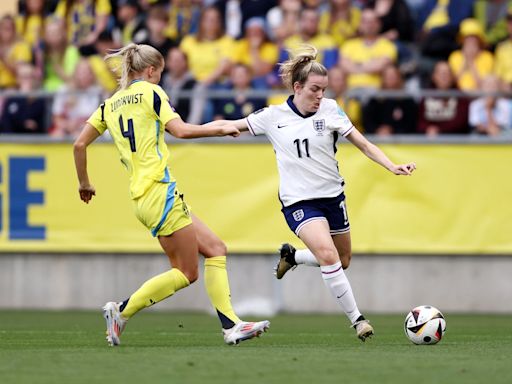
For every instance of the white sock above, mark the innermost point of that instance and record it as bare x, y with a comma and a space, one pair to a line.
305, 256
337, 282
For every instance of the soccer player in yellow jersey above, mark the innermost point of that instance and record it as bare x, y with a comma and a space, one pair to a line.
137, 117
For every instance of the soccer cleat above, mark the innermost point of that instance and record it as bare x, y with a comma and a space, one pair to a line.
363, 329
286, 261
244, 331
115, 323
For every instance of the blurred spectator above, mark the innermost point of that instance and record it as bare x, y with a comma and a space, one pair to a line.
84, 19
341, 21
491, 115
237, 12
492, 14
210, 51
74, 103
13, 51
60, 58
24, 113
503, 57
364, 58
338, 88
241, 105
30, 22
183, 18
156, 23
130, 23
385, 116
395, 19
105, 72
472, 62
439, 22
309, 33
177, 80
257, 52
443, 114
283, 20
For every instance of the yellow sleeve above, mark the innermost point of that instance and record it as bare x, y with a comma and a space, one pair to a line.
227, 45
166, 112
103, 7
455, 61
186, 44
97, 119
22, 52
60, 11
269, 53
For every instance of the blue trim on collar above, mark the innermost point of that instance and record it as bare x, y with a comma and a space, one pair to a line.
135, 81
294, 108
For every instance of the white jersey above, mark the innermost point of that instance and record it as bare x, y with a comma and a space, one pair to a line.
305, 148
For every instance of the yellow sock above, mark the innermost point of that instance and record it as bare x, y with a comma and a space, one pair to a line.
217, 287
154, 290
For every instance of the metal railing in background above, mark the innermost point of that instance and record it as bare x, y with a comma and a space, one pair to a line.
363, 95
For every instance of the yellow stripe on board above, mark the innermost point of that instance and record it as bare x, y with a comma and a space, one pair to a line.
458, 201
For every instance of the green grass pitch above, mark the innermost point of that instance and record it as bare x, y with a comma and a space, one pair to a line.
158, 347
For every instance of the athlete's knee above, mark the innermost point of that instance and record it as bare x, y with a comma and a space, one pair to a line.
214, 248
327, 255
345, 259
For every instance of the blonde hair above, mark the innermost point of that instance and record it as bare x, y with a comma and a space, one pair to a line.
134, 59
300, 65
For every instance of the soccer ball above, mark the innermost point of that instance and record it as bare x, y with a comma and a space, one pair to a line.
425, 325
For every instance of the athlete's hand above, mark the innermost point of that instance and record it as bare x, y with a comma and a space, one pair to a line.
86, 193
404, 169
229, 130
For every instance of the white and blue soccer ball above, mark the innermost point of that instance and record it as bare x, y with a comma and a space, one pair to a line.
425, 325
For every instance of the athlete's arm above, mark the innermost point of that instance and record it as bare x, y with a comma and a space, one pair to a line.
178, 128
86, 137
240, 125
375, 153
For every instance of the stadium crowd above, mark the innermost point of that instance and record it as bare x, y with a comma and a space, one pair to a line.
426, 67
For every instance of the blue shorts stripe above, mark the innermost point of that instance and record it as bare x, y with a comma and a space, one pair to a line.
169, 203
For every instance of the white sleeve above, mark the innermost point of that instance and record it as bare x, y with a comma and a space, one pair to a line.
338, 120
474, 115
259, 121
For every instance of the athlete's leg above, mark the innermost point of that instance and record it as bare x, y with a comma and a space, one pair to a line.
217, 287
181, 249
215, 274
343, 245
317, 238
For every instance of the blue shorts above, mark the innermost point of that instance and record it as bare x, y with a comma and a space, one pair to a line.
331, 209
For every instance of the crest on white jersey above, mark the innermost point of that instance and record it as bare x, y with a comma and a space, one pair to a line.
319, 125
298, 215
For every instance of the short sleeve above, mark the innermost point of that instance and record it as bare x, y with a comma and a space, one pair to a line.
259, 121
97, 120
162, 106
339, 121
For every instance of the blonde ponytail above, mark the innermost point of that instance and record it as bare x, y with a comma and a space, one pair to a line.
134, 59
301, 63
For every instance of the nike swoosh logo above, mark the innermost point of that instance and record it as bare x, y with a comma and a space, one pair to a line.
281, 126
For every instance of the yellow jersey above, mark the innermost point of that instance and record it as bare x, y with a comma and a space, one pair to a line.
136, 119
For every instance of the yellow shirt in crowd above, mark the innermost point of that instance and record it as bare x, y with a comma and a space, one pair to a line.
484, 65
359, 52
19, 53
503, 61
205, 56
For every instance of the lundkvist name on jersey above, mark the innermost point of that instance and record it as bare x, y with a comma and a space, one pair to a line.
124, 100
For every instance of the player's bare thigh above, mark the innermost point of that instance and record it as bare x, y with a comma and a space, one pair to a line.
315, 234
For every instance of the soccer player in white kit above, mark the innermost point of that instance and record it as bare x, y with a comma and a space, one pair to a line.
304, 131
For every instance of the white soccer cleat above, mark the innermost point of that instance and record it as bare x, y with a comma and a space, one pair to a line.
115, 323
363, 329
244, 331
